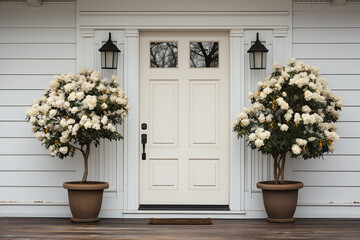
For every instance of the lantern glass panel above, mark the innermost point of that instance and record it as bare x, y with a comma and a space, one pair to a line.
264, 60
109, 59
258, 59
115, 59
102, 59
251, 55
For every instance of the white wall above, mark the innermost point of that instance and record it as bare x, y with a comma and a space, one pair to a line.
35, 44
329, 37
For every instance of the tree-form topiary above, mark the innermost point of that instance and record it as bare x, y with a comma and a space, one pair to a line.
78, 110
293, 112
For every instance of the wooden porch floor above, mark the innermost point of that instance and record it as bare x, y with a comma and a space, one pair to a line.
56, 228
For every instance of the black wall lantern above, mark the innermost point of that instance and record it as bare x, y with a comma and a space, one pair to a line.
109, 55
257, 54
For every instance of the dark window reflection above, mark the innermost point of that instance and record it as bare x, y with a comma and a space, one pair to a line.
163, 54
204, 54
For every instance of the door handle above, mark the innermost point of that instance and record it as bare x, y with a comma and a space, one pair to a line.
143, 141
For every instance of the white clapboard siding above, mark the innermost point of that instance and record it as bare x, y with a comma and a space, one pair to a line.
342, 81
16, 129
347, 146
349, 129
323, 5
15, 146
12, 82
19, 97
325, 35
335, 66
328, 163
9, 114
31, 51
35, 178
327, 50
329, 37
324, 179
35, 44
326, 18
37, 18
350, 114
53, 66
33, 194
40, 163
37, 35
323, 195
351, 98
45, 6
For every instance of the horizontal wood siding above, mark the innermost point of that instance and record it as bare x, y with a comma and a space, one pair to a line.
43, 35
45, 51
329, 37
35, 44
36, 66
25, 82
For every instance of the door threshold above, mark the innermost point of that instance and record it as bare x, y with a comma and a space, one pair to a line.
183, 214
179, 207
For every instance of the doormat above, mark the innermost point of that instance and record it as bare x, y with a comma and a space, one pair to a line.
180, 221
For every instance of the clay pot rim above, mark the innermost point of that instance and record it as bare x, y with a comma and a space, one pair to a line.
90, 185
289, 185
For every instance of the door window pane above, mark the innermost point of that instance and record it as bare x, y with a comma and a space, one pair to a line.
163, 54
204, 54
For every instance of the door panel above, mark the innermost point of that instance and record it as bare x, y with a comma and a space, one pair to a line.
164, 112
204, 174
184, 99
163, 173
204, 113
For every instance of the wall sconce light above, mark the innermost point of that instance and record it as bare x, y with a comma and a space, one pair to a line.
109, 55
257, 54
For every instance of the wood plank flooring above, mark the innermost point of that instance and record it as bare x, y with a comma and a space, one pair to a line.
60, 228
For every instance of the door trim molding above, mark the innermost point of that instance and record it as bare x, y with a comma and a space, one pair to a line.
132, 126
235, 23
237, 102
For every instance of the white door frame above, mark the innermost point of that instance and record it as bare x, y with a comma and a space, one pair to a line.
132, 124
235, 22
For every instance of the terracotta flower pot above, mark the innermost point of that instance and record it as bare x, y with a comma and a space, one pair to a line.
85, 200
280, 200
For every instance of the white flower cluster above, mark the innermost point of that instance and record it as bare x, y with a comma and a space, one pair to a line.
283, 127
75, 102
299, 146
281, 102
259, 136
292, 98
242, 118
276, 66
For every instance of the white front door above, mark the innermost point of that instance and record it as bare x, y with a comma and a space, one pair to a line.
184, 100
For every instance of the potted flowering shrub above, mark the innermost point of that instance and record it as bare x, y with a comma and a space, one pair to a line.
293, 113
77, 111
